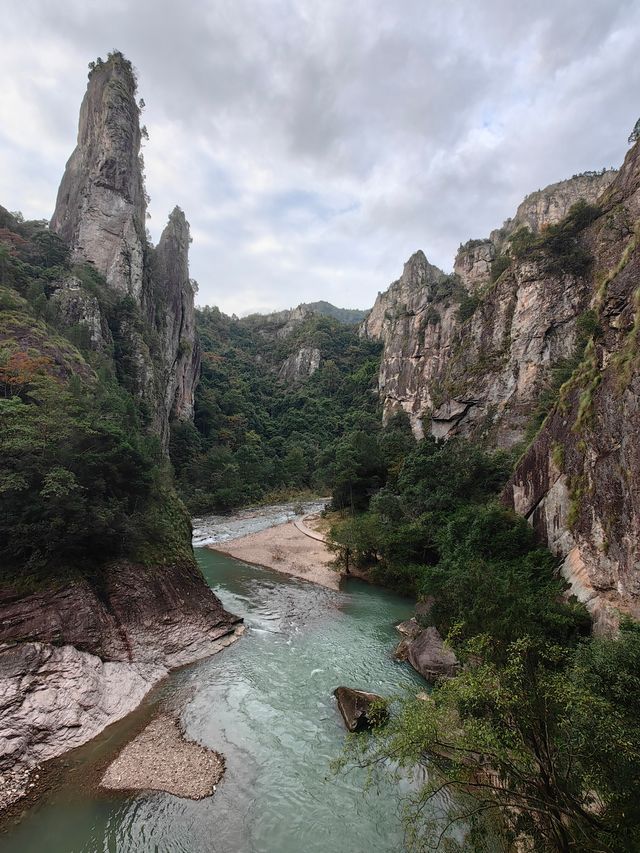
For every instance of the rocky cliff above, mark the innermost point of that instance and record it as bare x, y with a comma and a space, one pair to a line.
101, 207
577, 483
470, 353
99, 325
101, 214
74, 660
548, 300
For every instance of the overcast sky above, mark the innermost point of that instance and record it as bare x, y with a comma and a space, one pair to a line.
315, 144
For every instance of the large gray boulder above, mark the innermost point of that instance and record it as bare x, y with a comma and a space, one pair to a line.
356, 708
428, 655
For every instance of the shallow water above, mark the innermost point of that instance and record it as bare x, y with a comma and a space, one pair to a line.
267, 704
209, 529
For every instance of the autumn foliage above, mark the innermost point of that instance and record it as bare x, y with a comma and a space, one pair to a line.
20, 370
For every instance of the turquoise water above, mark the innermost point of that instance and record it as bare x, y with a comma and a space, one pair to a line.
266, 703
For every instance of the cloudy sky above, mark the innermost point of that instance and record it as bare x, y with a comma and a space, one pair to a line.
315, 144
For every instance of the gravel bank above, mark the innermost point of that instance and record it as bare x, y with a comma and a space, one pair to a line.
161, 759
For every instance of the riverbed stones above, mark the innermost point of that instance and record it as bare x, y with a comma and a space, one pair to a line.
160, 758
428, 655
360, 710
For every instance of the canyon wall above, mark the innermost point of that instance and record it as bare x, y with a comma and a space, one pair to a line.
478, 354
469, 354
578, 481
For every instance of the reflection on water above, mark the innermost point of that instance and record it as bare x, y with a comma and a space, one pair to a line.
267, 704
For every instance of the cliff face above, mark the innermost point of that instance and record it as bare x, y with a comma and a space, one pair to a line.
169, 305
473, 354
101, 213
73, 661
577, 483
75, 655
467, 355
550, 205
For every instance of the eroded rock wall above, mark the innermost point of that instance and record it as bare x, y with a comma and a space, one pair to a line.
74, 659
169, 306
101, 209
467, 356
473, 355
578, 481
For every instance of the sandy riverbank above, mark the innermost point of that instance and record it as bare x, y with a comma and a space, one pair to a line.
287, 549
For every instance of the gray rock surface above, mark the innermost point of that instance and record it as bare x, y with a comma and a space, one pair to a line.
169, 307
300, 365
578, 483
481, 374
101, 208
76, 307
429, 656
409, 628
356, 708
101, 213
72, 661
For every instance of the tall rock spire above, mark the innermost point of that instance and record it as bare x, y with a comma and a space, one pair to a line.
101, 208
100, 212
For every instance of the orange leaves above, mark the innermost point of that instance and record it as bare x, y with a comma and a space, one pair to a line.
21, 369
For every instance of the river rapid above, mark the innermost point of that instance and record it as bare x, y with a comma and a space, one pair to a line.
266, 703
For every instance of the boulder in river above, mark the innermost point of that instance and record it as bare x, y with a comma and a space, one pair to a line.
360, 710
428, 655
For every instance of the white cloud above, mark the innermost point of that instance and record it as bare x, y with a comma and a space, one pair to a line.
314, 146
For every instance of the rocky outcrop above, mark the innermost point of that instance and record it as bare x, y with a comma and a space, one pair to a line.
75, 656
299, 365
169, 307
279, 324
473, 354
101, 207
552, 204
360, 710
101, 213
429, 656
469, 354
81, 309
74, 659
577, 483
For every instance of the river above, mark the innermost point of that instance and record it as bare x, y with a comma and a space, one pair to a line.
266, 703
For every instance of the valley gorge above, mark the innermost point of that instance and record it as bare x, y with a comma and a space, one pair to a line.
474, 437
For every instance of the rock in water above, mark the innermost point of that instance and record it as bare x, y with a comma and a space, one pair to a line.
360, 710
430, 657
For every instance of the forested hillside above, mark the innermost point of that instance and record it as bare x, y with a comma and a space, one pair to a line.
256, 433
83, 480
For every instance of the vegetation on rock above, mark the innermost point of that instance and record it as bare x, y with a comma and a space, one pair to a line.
82, 479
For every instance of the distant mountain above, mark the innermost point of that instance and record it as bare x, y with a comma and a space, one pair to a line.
343, 315
290, 317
